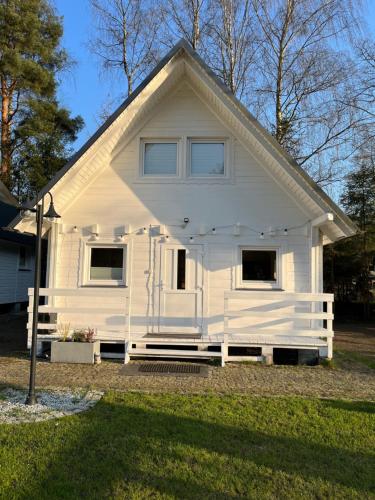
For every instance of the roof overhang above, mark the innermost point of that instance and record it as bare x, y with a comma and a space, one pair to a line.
183, 61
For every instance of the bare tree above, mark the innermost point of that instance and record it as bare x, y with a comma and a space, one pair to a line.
303, 74
187, 19
125, 37
231, 43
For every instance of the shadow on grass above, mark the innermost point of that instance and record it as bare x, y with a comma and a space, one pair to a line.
124, 450
356, 406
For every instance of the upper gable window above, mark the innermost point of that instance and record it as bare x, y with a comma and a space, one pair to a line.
160, 158
207, 158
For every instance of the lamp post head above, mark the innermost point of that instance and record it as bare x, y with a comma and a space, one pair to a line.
51, 212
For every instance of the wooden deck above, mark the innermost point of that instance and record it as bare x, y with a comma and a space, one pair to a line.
251, 319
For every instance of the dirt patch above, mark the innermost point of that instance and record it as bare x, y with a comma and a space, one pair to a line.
356, 337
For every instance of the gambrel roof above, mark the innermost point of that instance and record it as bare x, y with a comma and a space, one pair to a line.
183, 62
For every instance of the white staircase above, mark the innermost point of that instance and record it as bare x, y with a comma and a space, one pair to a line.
173, 347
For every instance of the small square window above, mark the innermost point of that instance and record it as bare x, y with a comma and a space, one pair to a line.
106, 265
160, 158
207, 159
259, 265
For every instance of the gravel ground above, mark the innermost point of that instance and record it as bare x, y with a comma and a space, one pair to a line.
51, 404
353, 381
317, 381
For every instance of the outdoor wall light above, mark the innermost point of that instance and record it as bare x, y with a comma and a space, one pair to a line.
214, 230
261, 236
237, 229
202, 230
191, 239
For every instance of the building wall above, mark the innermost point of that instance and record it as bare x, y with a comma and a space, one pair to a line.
117, 196
13, 281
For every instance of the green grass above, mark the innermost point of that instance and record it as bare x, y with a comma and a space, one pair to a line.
137, 446
342, 358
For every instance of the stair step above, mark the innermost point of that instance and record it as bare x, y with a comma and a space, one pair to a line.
177, 353
155, 340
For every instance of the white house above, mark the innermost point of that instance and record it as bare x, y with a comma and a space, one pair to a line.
16, 257
187, 231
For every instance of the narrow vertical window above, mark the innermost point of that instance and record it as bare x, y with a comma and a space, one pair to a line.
181, 269
22, 262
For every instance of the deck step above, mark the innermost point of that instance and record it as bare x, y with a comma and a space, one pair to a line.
174, 353
171, 341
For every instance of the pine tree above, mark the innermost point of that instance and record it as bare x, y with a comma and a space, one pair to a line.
351, 260
30, 59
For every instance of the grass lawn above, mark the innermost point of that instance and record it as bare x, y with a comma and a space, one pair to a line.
342, 358
138, 446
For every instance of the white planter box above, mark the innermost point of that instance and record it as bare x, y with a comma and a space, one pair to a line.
74, 352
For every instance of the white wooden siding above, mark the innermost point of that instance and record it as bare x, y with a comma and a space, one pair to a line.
118, 196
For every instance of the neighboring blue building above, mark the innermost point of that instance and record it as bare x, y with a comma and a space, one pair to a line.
16, 257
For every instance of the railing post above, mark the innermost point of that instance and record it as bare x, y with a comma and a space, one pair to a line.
224, 346
127, 321
330, 329
30, 316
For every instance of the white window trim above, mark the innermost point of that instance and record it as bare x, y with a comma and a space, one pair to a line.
259, 284
86, 261
183, 160
206, 140
160, 140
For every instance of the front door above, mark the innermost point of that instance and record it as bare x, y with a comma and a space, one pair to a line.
181, 291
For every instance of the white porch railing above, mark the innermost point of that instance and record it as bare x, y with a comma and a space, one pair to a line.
105, 309
278, 318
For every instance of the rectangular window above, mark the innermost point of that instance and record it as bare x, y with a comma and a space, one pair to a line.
22, 259
107, 265
207, 159
181, 269
258, 265
160, 158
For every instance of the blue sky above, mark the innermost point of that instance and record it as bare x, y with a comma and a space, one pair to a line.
83, 89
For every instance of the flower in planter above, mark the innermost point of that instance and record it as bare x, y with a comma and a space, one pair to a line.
90, 334
78, 336
83, 335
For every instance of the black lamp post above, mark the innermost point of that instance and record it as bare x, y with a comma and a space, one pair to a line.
50, 214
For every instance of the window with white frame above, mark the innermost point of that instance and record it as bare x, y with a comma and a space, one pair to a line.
259, 267
159, 157
207, 158
106, 265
